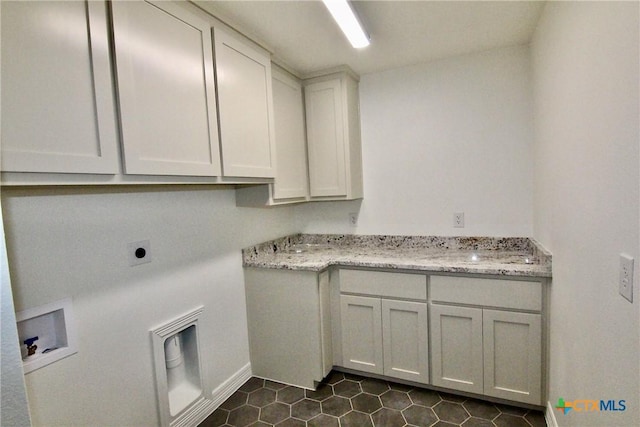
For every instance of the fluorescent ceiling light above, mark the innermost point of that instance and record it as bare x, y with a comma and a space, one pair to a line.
348, 22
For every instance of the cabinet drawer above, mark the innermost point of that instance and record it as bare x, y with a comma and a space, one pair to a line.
516, 294
395, 285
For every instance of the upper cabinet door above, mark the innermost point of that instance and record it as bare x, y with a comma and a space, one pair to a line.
166, 89
333, 136
57, 89
326, 138
246, 108
288, 112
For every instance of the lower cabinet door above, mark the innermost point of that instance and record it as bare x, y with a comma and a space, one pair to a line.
456, 348
361, 333
512, 355
404, 337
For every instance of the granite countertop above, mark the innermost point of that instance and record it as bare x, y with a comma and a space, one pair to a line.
508, 256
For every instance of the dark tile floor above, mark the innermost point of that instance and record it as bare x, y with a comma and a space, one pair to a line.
346, 400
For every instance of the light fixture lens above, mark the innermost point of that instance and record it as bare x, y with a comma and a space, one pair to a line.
349, 24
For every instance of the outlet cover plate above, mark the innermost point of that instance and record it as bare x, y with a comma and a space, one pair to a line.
353, 219
625, 281
458, 220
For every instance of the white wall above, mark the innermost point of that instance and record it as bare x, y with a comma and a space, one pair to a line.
73, 243
14, 410
585, 68
447, 136
13, 399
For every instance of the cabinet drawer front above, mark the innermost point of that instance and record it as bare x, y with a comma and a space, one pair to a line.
516, 294
398, 285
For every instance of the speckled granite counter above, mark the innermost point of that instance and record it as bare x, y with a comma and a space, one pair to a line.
513, 256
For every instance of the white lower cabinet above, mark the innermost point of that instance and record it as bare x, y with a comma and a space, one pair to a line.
361, 333
494, 352
301, 324
404, 340
512, 355
384, 336
288, 317
456, 348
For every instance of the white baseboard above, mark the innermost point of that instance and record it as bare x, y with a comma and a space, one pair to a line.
200, 410
195, 414
230, 386
550, 416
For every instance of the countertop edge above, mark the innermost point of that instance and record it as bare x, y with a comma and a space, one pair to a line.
431, 269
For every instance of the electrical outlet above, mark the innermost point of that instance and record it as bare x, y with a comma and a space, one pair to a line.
626, 277
458, 219
139, 252
353, 219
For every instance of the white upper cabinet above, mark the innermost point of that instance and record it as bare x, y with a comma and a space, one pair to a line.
58, 110
166, 89
243, 75
326, 139
333, 137
159, 92
291, 184
292, 178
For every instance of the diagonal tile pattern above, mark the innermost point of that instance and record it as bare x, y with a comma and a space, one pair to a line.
347, 400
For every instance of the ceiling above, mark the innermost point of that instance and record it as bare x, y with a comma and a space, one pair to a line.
303, 35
